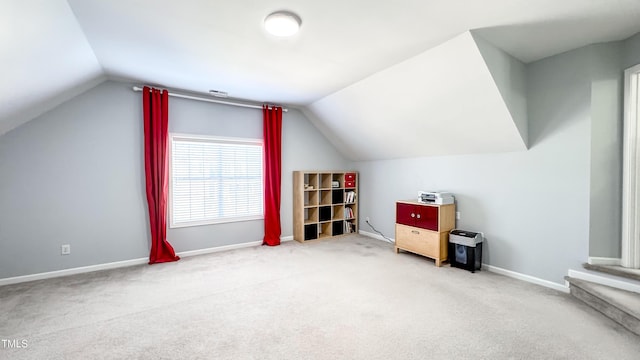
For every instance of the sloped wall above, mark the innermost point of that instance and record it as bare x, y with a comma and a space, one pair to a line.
441, 102
46, 60
509, 75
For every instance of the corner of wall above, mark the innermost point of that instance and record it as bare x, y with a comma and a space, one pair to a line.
606, 83
631, 51
48, 104
509, 75
340, 146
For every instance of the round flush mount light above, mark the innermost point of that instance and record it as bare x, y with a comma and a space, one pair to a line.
282, 23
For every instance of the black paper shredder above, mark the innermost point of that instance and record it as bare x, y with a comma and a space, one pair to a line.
465, 249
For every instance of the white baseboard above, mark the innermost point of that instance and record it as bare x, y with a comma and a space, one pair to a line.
604, 261
73, 271
527, 278
125, 263
497, 270
629, 285
218, 249
374, 236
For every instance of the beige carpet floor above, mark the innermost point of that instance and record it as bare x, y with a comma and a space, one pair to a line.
344, 298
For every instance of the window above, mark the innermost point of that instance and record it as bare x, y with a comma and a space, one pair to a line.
214, 180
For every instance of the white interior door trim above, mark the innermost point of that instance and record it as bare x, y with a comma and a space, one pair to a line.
631, 169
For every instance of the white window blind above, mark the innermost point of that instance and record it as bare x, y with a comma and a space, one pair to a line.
215, 180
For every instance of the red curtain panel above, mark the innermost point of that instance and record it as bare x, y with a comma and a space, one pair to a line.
156, 167
272, 128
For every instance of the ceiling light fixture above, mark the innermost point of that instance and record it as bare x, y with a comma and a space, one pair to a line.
282, 23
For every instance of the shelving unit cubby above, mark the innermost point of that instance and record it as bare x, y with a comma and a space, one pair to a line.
325, 204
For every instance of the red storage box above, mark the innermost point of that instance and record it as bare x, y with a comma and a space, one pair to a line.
349, 184
350, 177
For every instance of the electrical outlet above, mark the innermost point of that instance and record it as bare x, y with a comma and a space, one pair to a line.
457, 215
65, 249
367, 218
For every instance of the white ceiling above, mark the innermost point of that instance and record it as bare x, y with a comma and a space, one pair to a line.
203, 44
52, 49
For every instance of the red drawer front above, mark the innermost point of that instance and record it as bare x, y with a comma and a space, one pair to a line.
405, 214
349, 184
350, 177
427, 217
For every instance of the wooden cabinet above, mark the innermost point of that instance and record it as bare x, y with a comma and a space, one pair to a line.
424, 228
325, 204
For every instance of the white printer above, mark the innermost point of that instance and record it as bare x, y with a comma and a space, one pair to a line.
435, 197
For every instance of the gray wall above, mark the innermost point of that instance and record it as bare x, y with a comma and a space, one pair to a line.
605, 224
532, 206
631, 55
75, 175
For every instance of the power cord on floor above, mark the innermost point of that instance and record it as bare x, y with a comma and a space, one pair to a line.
381, 234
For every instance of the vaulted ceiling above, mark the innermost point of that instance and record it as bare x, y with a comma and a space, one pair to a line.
400, 57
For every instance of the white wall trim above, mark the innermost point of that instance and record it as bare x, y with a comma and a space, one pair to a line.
602, 280
73, 271
630, 178
125, 263
604, 261
527, 278
218, 249
374, 236
497, 270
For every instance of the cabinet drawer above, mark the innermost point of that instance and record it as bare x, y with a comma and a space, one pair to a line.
349, 184
350, 177
418, 241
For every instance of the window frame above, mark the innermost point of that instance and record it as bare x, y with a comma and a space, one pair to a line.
217, 139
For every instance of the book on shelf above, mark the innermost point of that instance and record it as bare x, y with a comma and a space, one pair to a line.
350, 197
348, 213
348, 227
